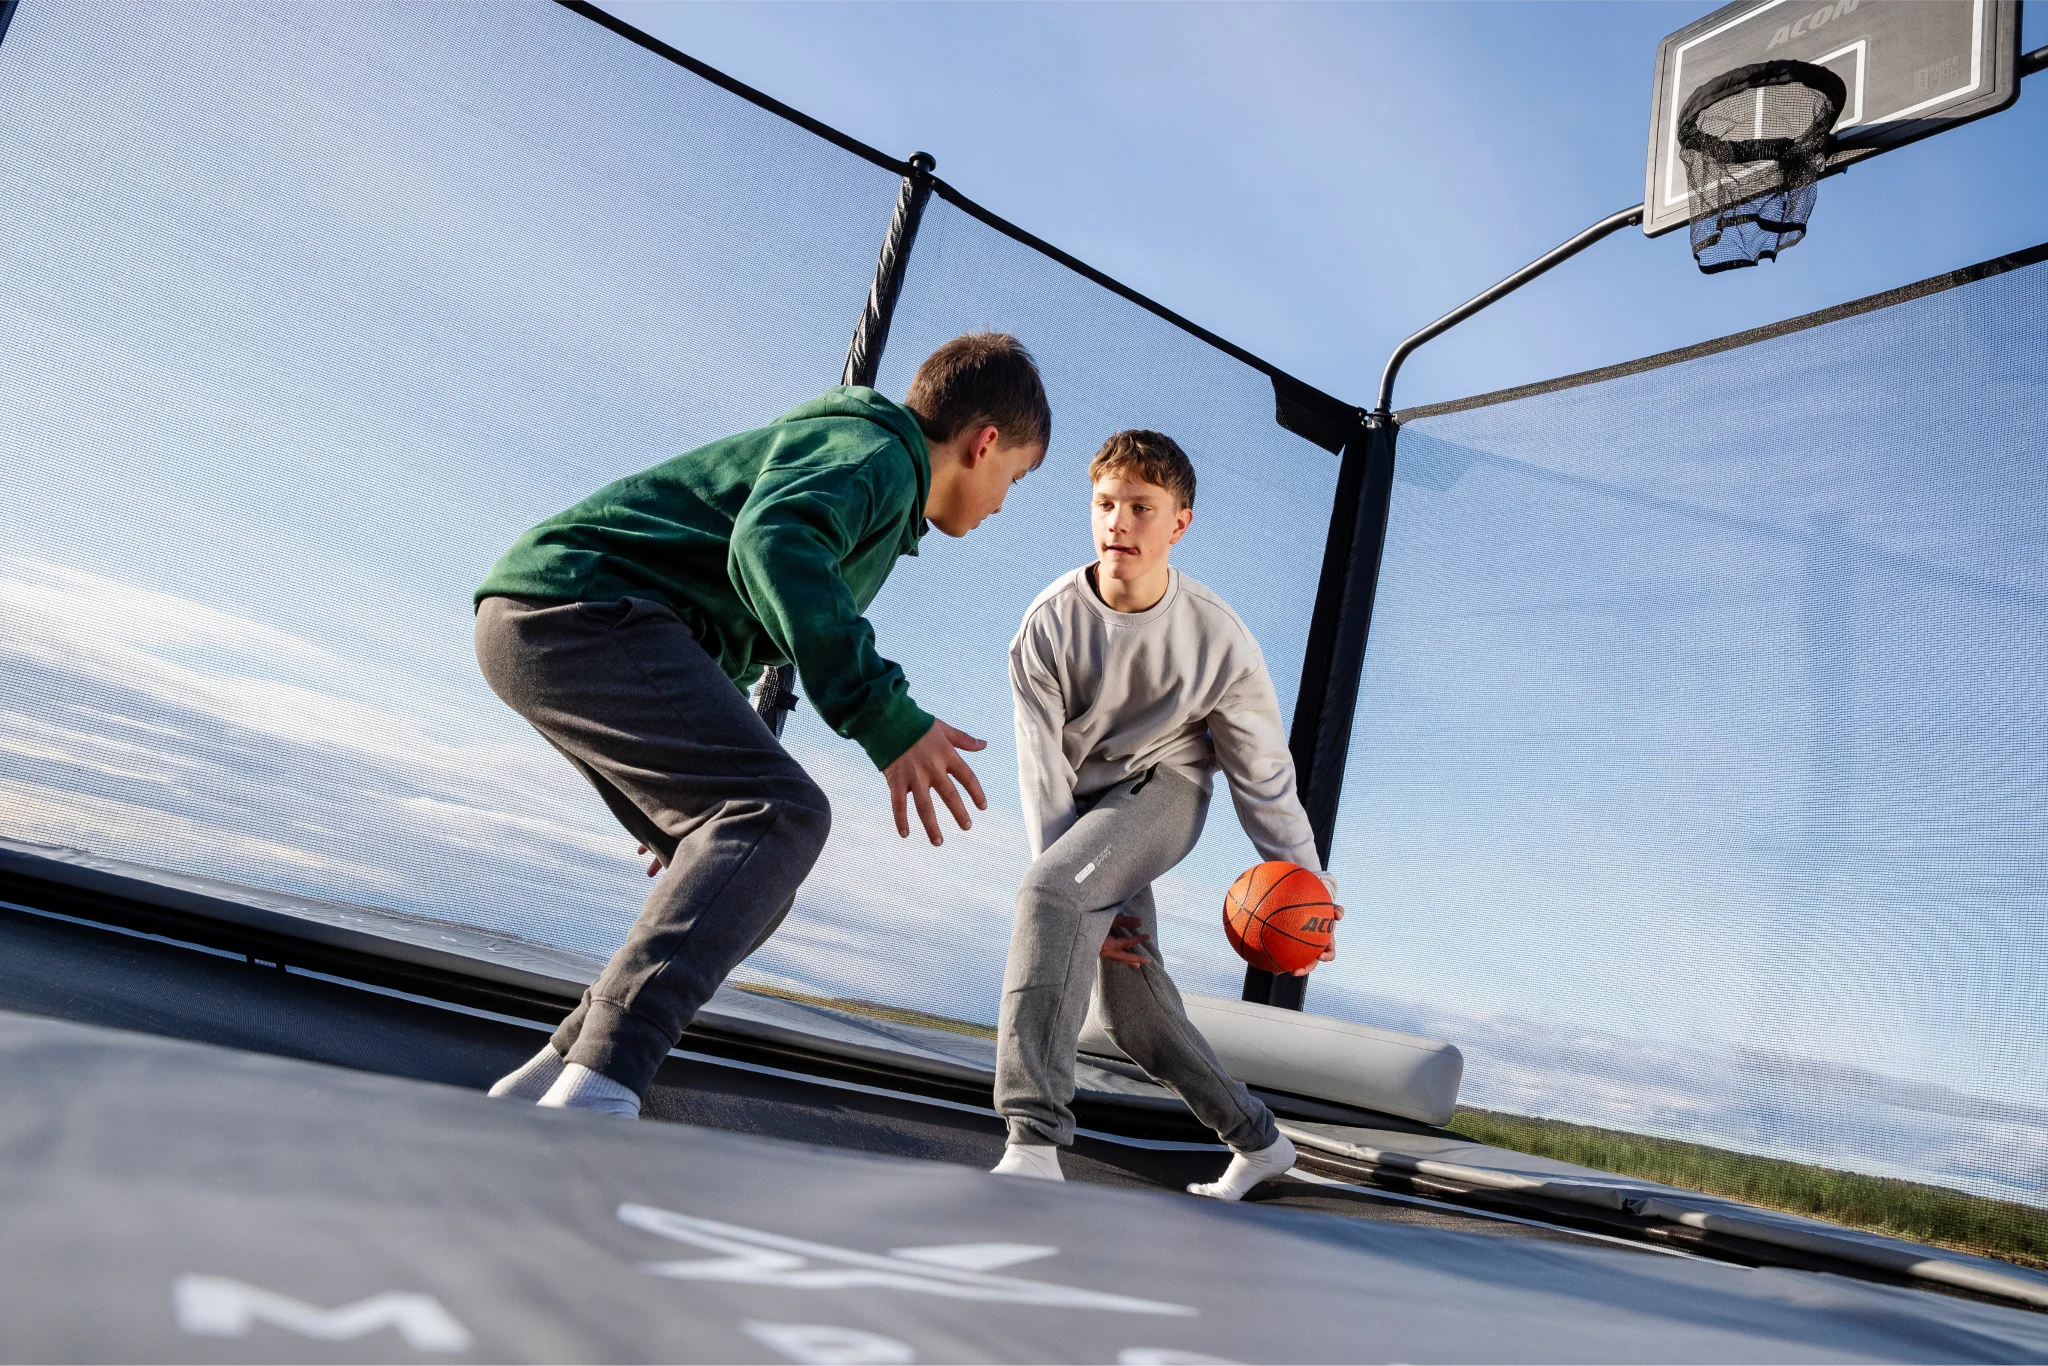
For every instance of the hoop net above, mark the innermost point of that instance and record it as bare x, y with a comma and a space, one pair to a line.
1754, 142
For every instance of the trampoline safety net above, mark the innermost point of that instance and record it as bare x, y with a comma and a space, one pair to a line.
308, 311
1697, 782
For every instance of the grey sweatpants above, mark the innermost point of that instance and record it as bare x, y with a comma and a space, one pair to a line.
1106, 863
630, 698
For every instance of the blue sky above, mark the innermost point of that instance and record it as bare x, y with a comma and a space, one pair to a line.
308, 316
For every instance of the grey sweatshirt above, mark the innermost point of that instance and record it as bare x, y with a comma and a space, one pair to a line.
1103, 695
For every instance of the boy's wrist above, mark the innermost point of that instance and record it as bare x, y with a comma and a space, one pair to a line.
901, 724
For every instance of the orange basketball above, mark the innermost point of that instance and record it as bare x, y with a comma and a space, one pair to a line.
1278, 917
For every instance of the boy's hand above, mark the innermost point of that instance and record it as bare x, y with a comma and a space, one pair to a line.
653, 864
1336, 913
1125, 944
932, 765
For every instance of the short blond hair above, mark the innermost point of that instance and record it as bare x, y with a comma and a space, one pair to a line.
1151, 456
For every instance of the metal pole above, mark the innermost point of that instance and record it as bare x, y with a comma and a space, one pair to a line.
871, 334
1333, 664
1614, 222
774, 696
1334, 659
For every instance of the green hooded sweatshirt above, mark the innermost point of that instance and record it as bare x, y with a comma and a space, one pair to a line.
769, 545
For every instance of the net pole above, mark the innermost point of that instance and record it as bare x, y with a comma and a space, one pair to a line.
871, 334
774, 695
1334, 659
1333, 664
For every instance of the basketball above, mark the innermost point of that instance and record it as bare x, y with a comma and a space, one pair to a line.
1279, 917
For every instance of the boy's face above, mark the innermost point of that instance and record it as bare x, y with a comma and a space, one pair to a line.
1136, 526
979, 476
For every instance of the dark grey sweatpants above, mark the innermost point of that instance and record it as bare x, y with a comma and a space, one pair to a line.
630, 698
1132, 834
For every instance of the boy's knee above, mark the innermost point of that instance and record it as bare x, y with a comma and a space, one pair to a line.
1046, 886
805, 809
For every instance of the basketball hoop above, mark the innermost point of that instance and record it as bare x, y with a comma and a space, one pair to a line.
1754, 140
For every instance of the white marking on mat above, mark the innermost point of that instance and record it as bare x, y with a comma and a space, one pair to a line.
214, 1306
753, 1257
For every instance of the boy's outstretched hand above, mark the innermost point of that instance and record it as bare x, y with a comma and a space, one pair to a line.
932, 765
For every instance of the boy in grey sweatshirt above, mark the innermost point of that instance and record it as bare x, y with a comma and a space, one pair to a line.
1133, 685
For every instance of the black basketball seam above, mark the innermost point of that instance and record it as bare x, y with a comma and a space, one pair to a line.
1276, 883
1294, 906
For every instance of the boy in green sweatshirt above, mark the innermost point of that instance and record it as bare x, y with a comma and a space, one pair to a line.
627, 629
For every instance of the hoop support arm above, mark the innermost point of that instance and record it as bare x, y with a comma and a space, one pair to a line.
1614, 222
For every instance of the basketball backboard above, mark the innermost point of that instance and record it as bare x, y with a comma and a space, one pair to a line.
1913, 68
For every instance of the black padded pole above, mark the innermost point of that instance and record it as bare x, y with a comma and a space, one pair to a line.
774, 696
1334, 664
1334, 660
871, 335
6, 17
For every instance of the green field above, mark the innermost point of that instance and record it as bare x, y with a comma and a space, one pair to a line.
1903, 1209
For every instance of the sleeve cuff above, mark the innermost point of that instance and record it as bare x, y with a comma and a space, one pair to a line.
901, 725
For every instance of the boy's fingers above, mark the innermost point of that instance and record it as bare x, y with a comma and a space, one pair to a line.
959, 769
962, 740
925, 813
951, 796
896, 800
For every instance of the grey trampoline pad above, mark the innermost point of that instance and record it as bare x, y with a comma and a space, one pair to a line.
171, 1201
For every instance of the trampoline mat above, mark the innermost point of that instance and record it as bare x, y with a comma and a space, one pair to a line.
190, 1202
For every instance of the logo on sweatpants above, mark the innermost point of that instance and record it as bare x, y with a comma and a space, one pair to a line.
1095, 863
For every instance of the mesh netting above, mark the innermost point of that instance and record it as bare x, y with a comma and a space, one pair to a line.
307, 311
1754, 142
1696, 788
310, 310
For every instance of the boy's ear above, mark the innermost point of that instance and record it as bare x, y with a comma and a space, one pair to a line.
984, 441
1182, 520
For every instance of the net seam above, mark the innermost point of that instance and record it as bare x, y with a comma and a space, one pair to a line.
1919, 289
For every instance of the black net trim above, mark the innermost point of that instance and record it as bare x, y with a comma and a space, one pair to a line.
1754, 142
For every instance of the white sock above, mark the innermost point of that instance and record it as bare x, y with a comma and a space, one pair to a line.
1247, 1170
579, 1088
533, 1078
1038, 1160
